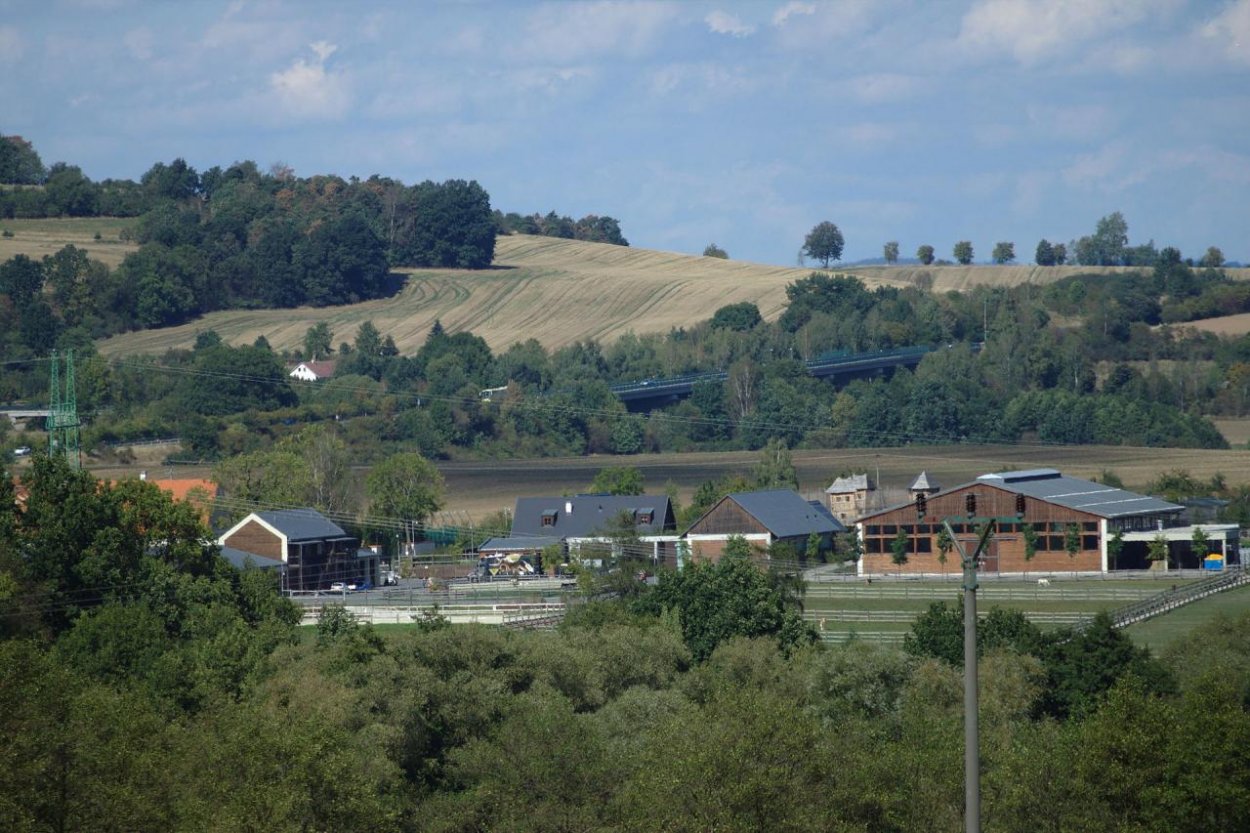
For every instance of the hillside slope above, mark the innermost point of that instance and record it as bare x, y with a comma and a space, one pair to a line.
559, 291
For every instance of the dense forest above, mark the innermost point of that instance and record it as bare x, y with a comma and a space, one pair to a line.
145, 685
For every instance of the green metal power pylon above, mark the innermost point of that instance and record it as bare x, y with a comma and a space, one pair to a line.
63, 413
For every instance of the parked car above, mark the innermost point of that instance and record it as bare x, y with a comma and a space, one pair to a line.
338, 587
21, 451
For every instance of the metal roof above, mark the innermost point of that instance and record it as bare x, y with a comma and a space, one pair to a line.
1074, 493
303, 525
785, 514
850, 483
590, 515
525, 542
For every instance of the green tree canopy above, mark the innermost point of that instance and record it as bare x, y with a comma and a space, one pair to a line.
618, 480
824, 243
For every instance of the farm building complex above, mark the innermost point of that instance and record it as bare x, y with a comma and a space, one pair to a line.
1070, 522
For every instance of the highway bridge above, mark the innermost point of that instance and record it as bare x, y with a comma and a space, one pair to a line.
654, 392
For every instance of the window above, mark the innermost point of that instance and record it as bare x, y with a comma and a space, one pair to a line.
1089, 542
873, 545
873, 529
924, 544
1055, 543
549, 519
1090, 526
889, 529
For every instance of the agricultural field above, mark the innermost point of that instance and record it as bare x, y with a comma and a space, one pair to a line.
478, 488
1224, 325
557, 291
40, 237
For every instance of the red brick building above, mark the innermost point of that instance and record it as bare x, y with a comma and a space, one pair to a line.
1071, 520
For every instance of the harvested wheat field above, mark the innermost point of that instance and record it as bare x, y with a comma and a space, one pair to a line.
1224, 325
554, 290
37, 238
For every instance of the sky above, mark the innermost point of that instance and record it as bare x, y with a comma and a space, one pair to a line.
740, 124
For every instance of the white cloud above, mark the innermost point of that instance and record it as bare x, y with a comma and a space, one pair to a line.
1036, 30
11, 46
1230, 30
724, 23
306, 89
566, 32
791, 9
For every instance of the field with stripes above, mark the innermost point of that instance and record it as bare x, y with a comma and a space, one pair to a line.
884, 610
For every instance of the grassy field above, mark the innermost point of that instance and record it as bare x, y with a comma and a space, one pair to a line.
37, 238
884, 610
1162, 631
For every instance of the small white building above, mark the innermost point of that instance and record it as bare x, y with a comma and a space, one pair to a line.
312, 371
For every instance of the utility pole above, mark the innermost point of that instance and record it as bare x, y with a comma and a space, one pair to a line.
972, 736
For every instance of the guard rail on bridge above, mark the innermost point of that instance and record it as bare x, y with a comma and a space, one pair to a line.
822, 366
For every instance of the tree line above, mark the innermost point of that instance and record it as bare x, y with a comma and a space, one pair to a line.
1107, 246
148, 686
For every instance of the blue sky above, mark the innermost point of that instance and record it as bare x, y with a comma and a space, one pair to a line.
743, 124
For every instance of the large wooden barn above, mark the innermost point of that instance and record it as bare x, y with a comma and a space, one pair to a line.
1071, 520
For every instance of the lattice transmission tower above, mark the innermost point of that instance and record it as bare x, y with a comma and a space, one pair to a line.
63, 412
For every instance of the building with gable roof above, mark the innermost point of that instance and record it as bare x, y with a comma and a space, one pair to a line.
848, 497
589, 525
1071, 521
762, 518
313, 550
313, 371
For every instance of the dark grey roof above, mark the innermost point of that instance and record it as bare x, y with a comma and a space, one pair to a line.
785, 514
1074, 493
591, 515
240, 559
525, 542
303, 525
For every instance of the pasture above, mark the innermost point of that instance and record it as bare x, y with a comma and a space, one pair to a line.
884, 610
1161, 631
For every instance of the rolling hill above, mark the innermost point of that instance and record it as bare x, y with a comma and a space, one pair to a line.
559, 291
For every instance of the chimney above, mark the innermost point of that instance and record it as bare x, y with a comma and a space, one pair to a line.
568, 507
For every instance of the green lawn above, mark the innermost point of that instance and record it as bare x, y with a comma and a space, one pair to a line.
1160, 631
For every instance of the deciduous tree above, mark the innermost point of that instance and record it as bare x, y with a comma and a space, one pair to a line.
824, 243
963, 252
925, 254
890, 252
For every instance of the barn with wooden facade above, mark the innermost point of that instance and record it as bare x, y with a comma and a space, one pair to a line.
1069, 519
313, 551
762, 518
